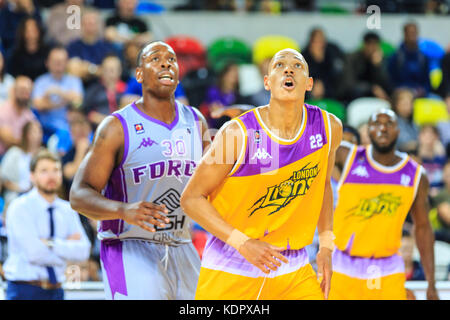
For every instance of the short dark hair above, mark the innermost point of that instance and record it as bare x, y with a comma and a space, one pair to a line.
371, 36
43, 154
353, 131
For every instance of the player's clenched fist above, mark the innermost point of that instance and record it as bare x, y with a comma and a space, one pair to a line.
143, 213
262, 255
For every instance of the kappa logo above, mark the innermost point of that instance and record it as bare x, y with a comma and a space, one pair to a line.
261, 153
360, 171
147, 142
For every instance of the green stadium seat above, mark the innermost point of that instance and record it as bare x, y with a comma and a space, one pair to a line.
226, 50
332, 106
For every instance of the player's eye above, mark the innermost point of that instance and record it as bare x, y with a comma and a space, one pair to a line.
279, 64
298, 65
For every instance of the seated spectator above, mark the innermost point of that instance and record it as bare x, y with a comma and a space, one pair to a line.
88, 52
57, 21
15, 113
54, 92
15, 165
125, 26
103, 96
366, 74
30, 51
432, 155
402, 103
326, 65
222, 95
10, 17
408, 66
81, 136
442, 204
6, 80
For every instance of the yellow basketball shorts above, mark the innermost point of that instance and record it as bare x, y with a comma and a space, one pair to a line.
357, 278
225, 274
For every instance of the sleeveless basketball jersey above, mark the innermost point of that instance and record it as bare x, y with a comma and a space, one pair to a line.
158, 160
275, 190
373, 203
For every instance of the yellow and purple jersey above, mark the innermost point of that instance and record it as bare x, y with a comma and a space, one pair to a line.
373, 203
275, 190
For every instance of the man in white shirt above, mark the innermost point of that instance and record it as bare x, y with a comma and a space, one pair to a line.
43, 234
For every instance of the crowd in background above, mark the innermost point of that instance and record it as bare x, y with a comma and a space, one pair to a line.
57, 84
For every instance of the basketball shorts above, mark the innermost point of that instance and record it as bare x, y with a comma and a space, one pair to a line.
142, 270
225, 274
357, 278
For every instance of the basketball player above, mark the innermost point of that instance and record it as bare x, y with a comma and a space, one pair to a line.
377, 189
131, 180
267, 177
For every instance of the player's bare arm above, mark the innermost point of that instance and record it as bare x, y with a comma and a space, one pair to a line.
209, 175
424, 235
93, 174
325, 223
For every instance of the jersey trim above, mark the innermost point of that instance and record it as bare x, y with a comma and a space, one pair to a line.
161, 123
419, 172
274, 136
386, 169
126, 139
243, 147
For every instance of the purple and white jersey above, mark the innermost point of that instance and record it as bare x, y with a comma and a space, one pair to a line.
158, 161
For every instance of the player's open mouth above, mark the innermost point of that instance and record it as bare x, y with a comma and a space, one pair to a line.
288, 84
166, 79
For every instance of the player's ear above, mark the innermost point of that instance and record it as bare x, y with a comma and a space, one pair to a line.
309, 84
139, 75
266, 83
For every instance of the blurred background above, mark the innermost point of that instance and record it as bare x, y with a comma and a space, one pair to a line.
66, 65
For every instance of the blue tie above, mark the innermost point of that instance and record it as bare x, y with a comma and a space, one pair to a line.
51, 270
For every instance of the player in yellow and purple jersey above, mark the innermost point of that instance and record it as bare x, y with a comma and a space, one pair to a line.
377, 189
262, 190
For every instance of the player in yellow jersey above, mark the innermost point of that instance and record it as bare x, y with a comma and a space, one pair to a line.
377, 189
261, 191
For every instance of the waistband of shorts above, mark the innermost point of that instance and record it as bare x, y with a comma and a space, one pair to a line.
113, 241
220, 256
366, 268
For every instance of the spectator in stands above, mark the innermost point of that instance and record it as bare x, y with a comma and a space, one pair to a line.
103, 96
81, 135
326, 65
366, 74
130, 52
222, 95
6, 80
43, 234
125, 26
10, 17
442, 204
262, 97
15, 113
87, 53
402, 103
30, 51
408, 66
15, 165
432, 154
54, 92
58, 19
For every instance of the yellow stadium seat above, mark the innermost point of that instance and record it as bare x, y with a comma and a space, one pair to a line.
429, 111
265, 47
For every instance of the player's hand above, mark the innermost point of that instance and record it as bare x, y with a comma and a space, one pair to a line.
143, 213
262, 255
432, 293
324, 269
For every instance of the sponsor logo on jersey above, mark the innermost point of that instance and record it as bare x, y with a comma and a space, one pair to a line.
139, 128
147, 142
257, 136
360, 171
280, 195
405, 180
261, 153
385, 204
164, 169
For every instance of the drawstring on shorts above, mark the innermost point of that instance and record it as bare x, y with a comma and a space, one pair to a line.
165, 259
